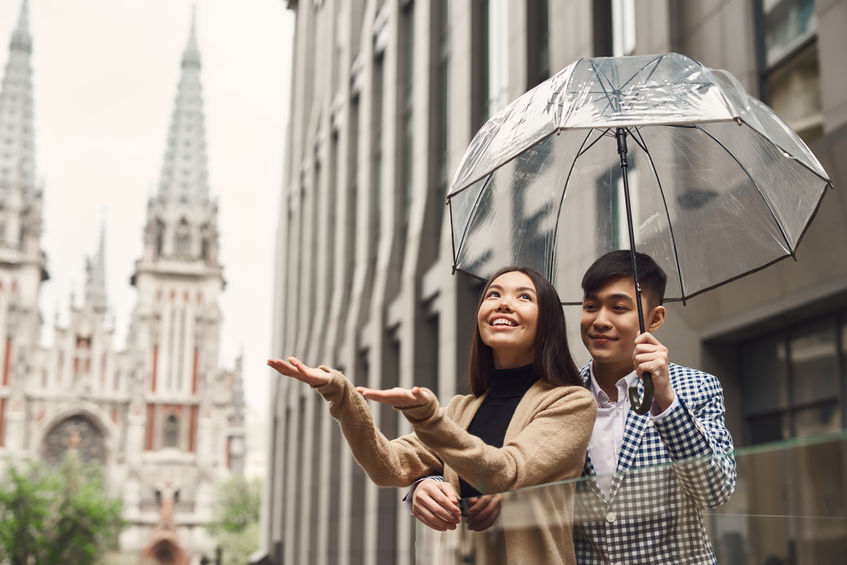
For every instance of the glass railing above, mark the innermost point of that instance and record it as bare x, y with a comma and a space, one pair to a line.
789, 506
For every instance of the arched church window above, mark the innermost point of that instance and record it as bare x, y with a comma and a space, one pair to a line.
171, 432
77, 432
183, 238
160, 237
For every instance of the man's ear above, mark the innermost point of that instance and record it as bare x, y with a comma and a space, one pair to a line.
656, 319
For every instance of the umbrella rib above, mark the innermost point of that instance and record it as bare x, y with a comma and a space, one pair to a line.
600, 76
468, 222
606, 91
583, 149
452, 235
657, 60
755, 184
562, 199
641, 143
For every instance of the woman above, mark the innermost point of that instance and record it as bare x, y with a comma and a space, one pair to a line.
527, 421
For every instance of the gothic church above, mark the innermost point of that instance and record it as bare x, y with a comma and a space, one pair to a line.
164, 420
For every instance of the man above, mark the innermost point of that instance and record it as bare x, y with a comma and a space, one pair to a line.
635, 507
653, 515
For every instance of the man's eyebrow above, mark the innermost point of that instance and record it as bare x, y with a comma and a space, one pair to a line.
616, 296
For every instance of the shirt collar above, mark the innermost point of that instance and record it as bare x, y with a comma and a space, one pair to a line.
623, 385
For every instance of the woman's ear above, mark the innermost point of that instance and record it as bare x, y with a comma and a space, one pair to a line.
656, 319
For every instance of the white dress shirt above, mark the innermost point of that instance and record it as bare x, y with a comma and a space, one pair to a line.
604, 447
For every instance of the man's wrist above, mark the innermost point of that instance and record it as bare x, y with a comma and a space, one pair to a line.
662, 406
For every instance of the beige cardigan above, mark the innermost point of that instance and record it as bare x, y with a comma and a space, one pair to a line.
546, 441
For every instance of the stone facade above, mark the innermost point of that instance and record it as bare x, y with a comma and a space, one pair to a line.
385, 96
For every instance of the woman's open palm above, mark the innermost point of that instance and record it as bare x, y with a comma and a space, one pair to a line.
396, 397
294, 368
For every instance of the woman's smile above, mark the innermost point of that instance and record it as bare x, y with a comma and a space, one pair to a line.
508, 319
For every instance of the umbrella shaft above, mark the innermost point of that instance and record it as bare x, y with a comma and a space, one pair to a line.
620, 136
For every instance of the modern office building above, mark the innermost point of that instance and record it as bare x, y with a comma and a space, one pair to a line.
385, 96
161, 417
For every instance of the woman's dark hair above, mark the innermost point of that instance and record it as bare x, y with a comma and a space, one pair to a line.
553, 361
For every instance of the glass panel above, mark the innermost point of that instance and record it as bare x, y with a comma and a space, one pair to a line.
789, 506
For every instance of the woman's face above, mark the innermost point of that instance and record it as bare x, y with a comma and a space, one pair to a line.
508, 319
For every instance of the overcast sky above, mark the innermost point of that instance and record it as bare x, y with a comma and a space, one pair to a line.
105, 74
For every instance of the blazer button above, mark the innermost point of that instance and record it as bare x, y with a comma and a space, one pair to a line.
611, 517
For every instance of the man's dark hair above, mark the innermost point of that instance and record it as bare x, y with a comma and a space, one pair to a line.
553, 362
618, 265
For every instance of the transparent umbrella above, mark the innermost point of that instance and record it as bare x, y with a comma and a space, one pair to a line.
655, 152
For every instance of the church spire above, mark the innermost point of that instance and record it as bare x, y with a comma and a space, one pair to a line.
17, 161
182, 218
20, 199
21, 39
95, 267
184, 178
191, 54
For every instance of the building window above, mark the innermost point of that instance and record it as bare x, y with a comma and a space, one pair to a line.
538, 42
406, 105
601, 19
623, 27
441, 28
171, 431
794, 380
788, 54
497, 56
376, 155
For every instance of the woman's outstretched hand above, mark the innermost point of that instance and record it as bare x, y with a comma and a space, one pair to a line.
294, 368
396, 397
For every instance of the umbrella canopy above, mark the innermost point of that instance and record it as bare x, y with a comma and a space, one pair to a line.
720, 185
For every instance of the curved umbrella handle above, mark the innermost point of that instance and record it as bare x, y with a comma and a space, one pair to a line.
643, 406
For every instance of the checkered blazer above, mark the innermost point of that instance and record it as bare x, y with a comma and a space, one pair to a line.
652, 514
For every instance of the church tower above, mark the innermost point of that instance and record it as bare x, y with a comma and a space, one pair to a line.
22, 262
177, 318
179, 423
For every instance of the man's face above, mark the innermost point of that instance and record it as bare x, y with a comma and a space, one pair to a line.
609, 325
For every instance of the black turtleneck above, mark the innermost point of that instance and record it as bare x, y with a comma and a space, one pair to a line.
506, 388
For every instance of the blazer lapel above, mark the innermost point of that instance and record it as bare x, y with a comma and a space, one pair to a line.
590, 478
633, 434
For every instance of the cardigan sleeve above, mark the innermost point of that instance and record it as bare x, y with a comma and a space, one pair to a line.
550, 447
392, 463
